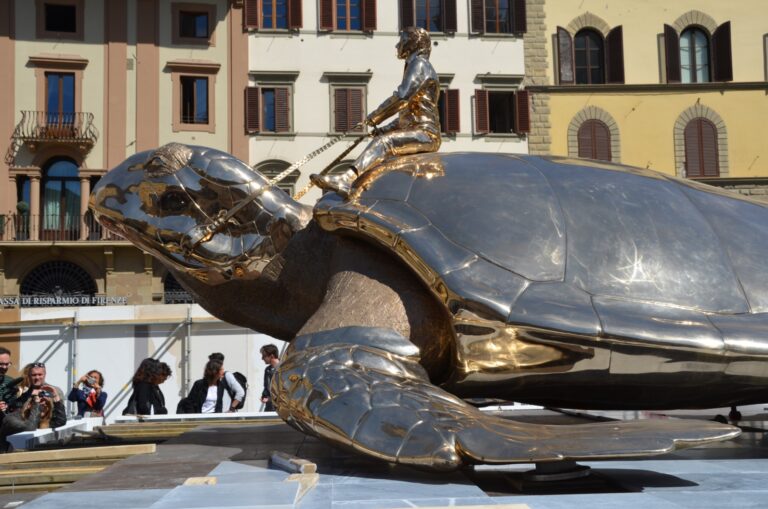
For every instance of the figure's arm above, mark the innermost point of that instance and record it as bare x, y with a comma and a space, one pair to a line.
101, 401
412, 81
59, 416
142, 395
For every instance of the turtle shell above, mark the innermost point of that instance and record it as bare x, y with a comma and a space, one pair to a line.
573, 246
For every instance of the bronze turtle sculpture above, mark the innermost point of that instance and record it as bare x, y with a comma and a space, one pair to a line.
447, 277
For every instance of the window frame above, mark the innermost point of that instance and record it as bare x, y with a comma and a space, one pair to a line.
593, 124
42, 33
521, 118
193, 69
262, 17
700, 148
177, 8
693, 67
328, 20
602, 60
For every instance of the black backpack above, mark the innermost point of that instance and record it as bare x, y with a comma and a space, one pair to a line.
243, 383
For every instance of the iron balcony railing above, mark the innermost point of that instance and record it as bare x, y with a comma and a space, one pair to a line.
47, 227
38, 127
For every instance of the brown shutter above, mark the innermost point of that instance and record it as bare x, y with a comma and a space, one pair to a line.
721, 53
482, 123
251, 14
369, 15
672, 54
450, 20
602, 141
295, 16
452, 119
252, 110
585, 141
340, 114
478, 16
406, 14
518, 17
355, 109
701, 158
522, 112
282, 112
565, 56
614, 44
326, 14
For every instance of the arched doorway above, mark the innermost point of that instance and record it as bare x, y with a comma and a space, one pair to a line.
57, 283
60, 200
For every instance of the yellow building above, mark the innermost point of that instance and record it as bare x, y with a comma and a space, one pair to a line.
679, 87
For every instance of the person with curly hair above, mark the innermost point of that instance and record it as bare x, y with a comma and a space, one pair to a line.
147, 398
209, 394
89, 395
38, 412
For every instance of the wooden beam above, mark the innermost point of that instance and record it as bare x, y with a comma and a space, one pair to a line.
114, 451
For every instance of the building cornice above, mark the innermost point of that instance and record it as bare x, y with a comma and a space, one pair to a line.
58, 60
197, 66
650, 87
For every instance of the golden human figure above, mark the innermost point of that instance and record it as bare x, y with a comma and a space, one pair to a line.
417, 126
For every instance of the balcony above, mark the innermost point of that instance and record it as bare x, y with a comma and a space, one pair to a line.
40, 127
53, 227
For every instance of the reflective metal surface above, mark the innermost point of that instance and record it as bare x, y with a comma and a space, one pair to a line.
556, 282
417, 127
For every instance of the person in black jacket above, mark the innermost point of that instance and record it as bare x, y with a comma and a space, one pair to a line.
270, 356
147, 398
209, 394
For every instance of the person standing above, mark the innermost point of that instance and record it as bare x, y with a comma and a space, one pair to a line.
147, 398
7, 383
234, 388
90, 398
208, 395
269, 354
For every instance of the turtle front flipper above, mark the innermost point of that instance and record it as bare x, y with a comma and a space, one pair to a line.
362, 388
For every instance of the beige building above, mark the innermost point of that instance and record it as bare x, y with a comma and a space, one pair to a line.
85, 84
678, 87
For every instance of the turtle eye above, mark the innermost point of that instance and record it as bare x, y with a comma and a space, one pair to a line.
173, 201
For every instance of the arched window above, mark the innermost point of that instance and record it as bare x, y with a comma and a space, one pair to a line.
174, 293
61, 200
694, 56
589, 55
701, 156
594, 140
271, 169
57, 283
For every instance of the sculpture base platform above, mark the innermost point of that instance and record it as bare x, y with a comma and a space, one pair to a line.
226, 467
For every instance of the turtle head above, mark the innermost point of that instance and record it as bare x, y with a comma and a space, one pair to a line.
174, 203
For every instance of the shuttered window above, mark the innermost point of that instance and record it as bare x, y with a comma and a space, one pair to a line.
701, 155
502, 112
268, 109
348, 109
694, 57
594, 140
348, 15
273, 14
588, 59
431, 15
448, 106
498, 16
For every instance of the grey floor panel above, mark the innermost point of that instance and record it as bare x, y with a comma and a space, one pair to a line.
718, 499
117, 499
374, 489
269, 495
233, 467
602, 501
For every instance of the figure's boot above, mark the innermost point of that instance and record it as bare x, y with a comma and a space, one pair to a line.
338, 183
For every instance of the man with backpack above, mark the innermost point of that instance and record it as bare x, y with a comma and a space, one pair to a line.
235, 382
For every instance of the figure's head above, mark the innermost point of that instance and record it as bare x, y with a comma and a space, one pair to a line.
94, 377
166, 201
214, 370
413, 40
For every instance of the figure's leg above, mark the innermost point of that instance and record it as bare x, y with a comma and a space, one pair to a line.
362, 388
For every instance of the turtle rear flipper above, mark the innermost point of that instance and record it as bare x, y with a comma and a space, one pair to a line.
380, 402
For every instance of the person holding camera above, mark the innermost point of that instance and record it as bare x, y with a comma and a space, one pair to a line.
39, 412
40, 394
88, 394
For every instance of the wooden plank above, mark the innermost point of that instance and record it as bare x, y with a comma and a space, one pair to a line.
114, 451
31, 488
47, 477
